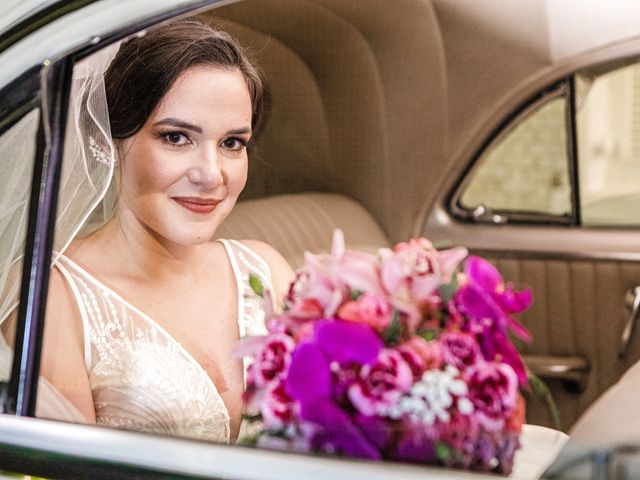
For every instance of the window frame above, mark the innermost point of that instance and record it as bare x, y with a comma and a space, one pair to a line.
564, 86
54, 78
561, 88
18, 99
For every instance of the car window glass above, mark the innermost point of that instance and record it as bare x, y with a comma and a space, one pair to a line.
608, 126
527, 169
17, 152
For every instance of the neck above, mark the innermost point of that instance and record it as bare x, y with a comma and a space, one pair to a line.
135, 249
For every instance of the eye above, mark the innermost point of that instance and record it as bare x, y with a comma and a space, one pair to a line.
177, 139
234, 144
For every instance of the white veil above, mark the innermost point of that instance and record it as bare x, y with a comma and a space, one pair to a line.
86, 198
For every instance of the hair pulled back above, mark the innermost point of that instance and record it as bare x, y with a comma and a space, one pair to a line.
146, 67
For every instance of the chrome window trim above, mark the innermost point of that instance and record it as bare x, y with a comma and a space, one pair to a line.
108, 453
91, 24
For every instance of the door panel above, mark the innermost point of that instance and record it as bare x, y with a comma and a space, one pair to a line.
579, 309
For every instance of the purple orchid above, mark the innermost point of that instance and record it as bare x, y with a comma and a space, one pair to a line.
311, 383
488, 303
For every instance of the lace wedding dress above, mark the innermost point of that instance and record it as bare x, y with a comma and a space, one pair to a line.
141, 378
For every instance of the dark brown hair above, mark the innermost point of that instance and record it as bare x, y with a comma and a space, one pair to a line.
146, 67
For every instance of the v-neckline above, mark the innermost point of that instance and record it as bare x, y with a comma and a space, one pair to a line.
188, 355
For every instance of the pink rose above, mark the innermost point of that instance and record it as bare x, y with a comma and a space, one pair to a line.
272, 360
460, 349
276, 407
493, 389
460, 431
369, 309
380, 385
421, 355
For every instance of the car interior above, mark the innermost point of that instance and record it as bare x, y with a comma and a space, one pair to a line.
369, 128
378, 119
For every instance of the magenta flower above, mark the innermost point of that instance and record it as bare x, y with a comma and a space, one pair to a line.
487, 296
276, 407
272, 359
488, 304
311, 383
416, 444
380, 384
493, 389
460, 349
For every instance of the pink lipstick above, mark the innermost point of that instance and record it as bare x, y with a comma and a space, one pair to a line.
196, 204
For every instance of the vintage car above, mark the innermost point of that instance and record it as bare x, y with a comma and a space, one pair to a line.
512, 128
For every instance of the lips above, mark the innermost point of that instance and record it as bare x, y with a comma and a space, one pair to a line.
197, 205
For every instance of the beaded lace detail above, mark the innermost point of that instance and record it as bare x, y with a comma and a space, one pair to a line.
143, 379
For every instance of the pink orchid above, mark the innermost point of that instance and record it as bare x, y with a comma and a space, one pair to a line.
412, 272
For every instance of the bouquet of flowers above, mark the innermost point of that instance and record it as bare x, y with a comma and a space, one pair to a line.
404, 356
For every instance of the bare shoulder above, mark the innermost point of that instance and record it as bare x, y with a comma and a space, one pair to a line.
63, 346
281, 272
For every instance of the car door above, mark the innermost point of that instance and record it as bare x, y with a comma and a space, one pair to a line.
552, 197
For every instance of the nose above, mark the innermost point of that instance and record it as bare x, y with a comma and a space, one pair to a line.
207, 168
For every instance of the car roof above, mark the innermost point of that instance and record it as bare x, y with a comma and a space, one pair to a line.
16, 11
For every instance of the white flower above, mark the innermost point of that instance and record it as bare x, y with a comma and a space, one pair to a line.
432, 397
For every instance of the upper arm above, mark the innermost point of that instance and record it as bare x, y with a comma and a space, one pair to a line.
281, 272
62, 361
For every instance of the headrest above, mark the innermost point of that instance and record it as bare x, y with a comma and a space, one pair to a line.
295, 223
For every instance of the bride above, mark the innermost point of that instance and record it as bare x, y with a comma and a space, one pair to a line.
144, 311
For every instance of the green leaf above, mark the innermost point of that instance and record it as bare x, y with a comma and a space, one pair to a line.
443, 452
428, 335
542, 391
249, 440
256, 284
448, 291
252, 417
391, 335
355, 294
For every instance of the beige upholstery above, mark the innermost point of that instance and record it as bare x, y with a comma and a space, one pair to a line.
354, 106
387, 104
297, 223
613, 418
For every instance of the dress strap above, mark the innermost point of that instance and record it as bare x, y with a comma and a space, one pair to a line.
246, 262
69, 278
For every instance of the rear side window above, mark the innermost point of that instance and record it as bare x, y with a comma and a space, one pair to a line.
527, 170
530, 172
608, 135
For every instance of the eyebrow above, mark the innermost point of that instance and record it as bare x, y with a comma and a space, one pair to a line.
240, 131
175, 122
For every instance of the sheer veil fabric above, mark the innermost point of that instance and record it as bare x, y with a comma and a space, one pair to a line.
86, 198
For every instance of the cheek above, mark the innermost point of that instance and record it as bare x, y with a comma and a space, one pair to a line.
237, 177
148, 172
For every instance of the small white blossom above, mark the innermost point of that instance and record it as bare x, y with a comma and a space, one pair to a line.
432, 397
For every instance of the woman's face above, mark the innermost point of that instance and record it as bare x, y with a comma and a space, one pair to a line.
181, 174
